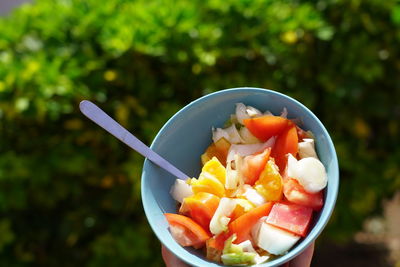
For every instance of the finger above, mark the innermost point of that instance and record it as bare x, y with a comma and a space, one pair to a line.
170, 259
304, 259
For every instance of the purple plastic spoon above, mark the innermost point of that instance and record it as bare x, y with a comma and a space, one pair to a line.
101, 118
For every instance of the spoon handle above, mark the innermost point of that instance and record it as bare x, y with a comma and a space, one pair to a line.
101, 118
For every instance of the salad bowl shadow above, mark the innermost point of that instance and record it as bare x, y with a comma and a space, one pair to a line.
187, 134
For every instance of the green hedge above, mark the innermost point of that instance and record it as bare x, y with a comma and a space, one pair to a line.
70, 193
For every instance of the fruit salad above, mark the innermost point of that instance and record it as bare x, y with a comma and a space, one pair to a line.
260, 185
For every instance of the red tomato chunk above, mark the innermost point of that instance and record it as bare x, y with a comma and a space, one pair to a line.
265, 127
295, 193
186, 231
286, 142
290, 217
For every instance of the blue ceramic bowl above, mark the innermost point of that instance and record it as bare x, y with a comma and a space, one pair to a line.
186, 136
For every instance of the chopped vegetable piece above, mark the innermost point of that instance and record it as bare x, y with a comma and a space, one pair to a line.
218, 149
269, 185
242, 225
234, 176
245, 112
220, 220
253, 196
213, 249
247, 136
242, 206
180, 190
254, 165
214, 167
307, 149
200, 207
223, 146
274, 240
217, 241
230, 133
310, 172
265, 127
255, 230
210, 152
209, 184
285, 143
290, 217
302, 134
295, 193
247, 246
210, 179
186, 231
249, 149
234, 254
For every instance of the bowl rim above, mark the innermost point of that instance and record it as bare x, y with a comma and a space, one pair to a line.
325, 213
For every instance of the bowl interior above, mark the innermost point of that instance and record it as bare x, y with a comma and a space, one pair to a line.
186, 136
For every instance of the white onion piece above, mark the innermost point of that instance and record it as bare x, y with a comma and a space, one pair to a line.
275, 240
247, 136
253, 112
233, 176
180, 190
253, 196
220, 219
307, 149
291, 166
248, 149
310, 172
256, 227
234, 119
247, 246
218, 134
245, 112
230, 133
241, 113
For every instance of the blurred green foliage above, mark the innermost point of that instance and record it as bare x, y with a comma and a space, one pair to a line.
70, 193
